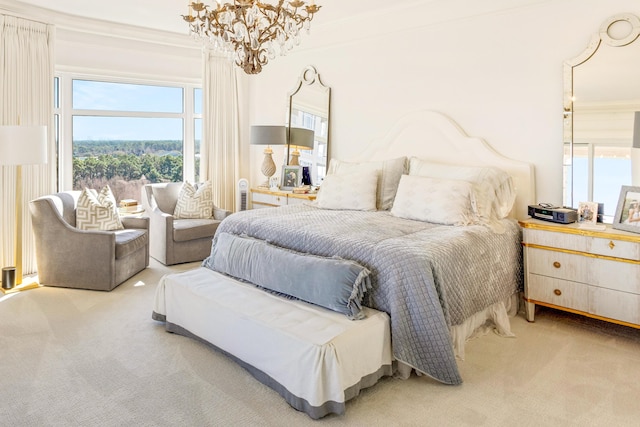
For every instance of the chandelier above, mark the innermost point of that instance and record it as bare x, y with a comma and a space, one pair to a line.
251, 31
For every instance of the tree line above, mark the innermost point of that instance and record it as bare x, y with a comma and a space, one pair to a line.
110, 161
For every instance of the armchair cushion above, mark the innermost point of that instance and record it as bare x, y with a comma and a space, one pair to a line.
128, 241
194, 203
185, 230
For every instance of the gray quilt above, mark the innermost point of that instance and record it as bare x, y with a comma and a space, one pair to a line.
427, 277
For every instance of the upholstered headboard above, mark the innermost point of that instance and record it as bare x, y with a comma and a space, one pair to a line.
433, 136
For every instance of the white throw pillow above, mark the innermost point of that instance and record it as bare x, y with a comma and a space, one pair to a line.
389, 172
97, 211
493, 188
352, 191
441, 201
194, 203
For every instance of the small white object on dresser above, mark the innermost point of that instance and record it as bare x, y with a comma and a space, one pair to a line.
594, 273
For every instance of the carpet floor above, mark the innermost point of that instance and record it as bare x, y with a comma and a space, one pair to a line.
85, 358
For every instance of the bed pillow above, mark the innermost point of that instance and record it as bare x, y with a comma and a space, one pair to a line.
351, 191
493, 188
333, 283
441, 201
194, 204
389, 172
97, 211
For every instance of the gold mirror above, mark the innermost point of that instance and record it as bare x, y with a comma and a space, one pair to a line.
309, 108
601, 95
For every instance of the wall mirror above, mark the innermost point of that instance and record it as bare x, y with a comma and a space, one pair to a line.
309, 108
601, 94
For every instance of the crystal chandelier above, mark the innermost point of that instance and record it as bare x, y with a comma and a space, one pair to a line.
251, 31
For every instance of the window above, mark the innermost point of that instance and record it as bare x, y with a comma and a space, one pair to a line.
125, 134
612, 167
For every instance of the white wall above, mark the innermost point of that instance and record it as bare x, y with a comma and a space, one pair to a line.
496, 70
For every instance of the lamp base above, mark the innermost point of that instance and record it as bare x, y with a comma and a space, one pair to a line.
22, 287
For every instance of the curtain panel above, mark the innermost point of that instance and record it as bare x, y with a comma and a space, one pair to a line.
26, 98
220, 144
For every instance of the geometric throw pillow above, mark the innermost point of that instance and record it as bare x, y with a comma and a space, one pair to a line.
194, 203
97, 212
440, 201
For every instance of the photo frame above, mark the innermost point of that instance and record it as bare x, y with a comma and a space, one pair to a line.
291, 176
588, 213
627, 215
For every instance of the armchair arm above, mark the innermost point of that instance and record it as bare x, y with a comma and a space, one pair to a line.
132, 222
220, 214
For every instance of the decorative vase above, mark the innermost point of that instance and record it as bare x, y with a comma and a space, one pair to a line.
306, 177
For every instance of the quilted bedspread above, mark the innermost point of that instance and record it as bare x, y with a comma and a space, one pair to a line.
427, 277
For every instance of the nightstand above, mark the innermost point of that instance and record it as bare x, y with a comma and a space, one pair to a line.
592, 273
265, 198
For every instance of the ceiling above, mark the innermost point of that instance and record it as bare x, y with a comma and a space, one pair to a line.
165, 14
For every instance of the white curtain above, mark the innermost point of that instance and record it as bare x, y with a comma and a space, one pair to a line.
220, 147
26, 98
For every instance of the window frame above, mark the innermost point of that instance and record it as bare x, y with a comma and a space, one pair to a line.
66, 112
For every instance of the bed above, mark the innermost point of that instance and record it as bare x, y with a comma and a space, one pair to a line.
439, 270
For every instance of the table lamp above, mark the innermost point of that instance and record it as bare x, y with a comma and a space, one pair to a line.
20, 145
268, 135
299, 139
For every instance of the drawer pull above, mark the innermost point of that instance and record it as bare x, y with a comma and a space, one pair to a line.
557, 292
556, 264
611, 244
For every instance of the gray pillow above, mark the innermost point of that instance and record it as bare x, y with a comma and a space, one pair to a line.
333, 283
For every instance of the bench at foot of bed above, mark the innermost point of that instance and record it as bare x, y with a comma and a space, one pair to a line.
313, 357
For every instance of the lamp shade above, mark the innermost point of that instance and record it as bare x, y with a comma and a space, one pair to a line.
301, 138
636, 130
268, 135
23, 145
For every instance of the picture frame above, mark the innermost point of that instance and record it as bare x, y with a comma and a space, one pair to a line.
588, 213
627, 215
291, 176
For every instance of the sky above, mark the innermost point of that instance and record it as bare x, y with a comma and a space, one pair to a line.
105, 96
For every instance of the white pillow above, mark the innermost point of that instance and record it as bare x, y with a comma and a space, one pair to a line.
97, 211
389, 172
441, 201
192, 203
352, 191
493, 188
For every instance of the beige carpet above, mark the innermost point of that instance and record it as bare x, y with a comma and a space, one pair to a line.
86, 358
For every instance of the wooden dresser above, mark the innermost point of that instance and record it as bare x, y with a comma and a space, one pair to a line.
265, 198
593, 273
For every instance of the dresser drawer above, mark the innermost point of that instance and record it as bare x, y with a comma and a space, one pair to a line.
562, 293
268, 200
605, 273
615, 305
575, 242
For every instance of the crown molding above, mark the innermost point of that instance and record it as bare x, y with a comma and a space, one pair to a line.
81, 25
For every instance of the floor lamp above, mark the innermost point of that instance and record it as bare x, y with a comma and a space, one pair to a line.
20, 145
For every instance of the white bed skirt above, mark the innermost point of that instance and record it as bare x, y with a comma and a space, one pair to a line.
315, 358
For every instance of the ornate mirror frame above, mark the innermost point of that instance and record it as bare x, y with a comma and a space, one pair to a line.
310, 108
617, 31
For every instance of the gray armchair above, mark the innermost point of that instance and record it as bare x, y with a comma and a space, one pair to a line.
173, 240
73, 258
